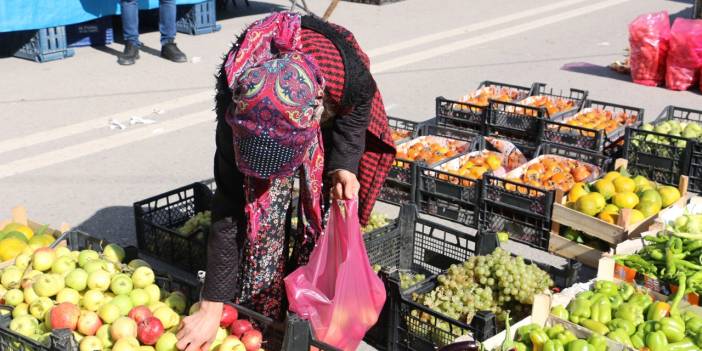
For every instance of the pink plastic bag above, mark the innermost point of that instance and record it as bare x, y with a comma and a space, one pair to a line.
684, 57
648, 41
337, 291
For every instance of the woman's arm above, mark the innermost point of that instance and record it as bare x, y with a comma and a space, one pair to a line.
348, 139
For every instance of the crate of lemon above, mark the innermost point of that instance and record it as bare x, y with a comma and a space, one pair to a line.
19, 234
614, 208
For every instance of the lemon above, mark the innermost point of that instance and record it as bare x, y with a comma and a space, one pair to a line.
17, 235
669, 195
28, 232
609, 217
605, 187
641, 183
624, 185
590, 204
579, 189
650, 202
611, 208
625, 200
10, 248
636, 217
611, 176
42, 240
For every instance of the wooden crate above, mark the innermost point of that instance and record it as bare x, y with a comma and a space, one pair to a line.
19, 215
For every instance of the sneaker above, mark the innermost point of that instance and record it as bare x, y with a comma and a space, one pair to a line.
170, 51
129, 56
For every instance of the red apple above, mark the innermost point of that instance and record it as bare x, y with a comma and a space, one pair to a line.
239, 327
140, 313
88, 323
229, 315
252, 340
64, 316
149, 330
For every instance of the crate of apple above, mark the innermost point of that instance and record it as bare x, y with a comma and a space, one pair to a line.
104, 302
234, 334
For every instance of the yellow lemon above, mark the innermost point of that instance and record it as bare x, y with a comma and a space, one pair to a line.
611, 176
10, 248
611, 208
16, 227
605, 187
625, 200
42, 240
669, 195
609, 217
624, 185
590, 204
636, 217
579, 189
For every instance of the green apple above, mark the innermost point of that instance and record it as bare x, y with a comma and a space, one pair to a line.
154, 293
166, 316
103, 334
143, 277
63, 264
113, 267
167, 342
90, 343
62, 251
121, 284
11, 277
139, 297
146, 348
3, 290
30, 295
136, 263
95, 265
194, 308
126, 344
87, 255
124, 303
74, 255
114, 253
153, 306
92, 300
14, 297
78, 337
109, 313
77, 279
123, 327
23, 260
177, 301
99, 280
68, 295
43, 259
48, 285
24, 325
39, 307
20, 310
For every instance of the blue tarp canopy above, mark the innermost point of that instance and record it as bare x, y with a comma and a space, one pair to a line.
18, 15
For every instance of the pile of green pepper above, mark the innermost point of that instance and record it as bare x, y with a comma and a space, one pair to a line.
629, 316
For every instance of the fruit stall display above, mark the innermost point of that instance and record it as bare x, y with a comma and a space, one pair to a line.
20, 235
668, 147
403, 129
552, 172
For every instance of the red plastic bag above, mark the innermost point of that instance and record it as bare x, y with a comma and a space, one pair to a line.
337, 291
685, 55
648, 41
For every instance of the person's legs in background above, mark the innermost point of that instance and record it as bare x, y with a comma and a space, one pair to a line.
130, 25
167, 27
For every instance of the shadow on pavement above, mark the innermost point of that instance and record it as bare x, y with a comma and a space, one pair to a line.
114, 224
227, 9
595, 70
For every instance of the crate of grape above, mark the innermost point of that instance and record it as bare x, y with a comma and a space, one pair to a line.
524, 119
668, 147
469, 112
19, 233
174, 226
599, 127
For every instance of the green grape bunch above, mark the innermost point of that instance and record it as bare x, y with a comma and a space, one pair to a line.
201, 220
377, 220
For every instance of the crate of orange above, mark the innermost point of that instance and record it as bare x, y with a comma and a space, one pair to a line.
599, 127
521, 201
469, 111
404, 130
524, 119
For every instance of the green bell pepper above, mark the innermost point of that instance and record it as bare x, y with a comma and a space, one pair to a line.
598, 342
657, 341
606, 287
585, 295
698, 340
595, 326
579, 309
553, 345
641, 299
523, 332
518, 346
579, 345
601, 310
673, 328
693, 324
626, 290
657, 311
637, 340
624, 324
616, 301
630, 312
560, 312
621, 336
685, 345
649, 326
538, 338
566, 337
554, 331
688, 315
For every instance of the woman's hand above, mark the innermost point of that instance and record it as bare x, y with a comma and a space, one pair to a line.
197, 332
345, 186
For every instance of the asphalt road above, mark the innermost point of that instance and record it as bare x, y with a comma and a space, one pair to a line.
60, 159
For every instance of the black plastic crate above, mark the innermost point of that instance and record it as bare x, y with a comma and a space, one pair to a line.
448, 196
592, 139
463, 115
383, 244
414, 128
98, 32
157, 221
198, 18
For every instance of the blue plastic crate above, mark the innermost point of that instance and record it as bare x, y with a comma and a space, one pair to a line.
97, 32
44, 45
198, 19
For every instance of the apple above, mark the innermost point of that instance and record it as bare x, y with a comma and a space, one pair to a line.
167, 316
77, 279
90, 343
113, 267
146, 348
92, 299
22, 260
68, 295
109, 313
121, 284
99, 280
229, 315
143, 277
155, 305
63, 264
167, 342
126, 344
154, 293
11, 277
124, 303
48, 285
40, 307
139, 297
140, 313
240, 327
20, 310
194, 308
43, 259
149, 330
252, 340
136, 263
29, 278
231, 343
65, 316
114, 253
14, 297
177, 301
89, 323
30, 295
62, 251
3, 290
103, 334
87, 255
95, 265
123, 327
24, 325
219, 338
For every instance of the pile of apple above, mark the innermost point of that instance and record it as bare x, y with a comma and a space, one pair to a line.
234, 334
107, 305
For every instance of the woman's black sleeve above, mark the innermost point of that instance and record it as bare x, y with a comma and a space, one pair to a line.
348, 138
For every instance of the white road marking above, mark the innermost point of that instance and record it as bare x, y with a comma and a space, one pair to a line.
94, 146
469, 28
481, 39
